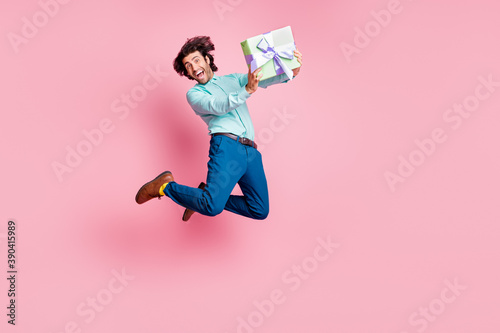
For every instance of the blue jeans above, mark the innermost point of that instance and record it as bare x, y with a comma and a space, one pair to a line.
230, 163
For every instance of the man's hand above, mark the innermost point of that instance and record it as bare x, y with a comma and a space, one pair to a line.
253, 80
298, 55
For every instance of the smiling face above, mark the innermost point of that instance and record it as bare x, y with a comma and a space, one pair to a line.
198, 67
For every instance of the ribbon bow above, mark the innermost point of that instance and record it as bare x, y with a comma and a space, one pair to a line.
266, 45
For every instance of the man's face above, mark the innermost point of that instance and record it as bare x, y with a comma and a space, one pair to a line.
198, 67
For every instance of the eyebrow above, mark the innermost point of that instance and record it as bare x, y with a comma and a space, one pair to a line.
196, 56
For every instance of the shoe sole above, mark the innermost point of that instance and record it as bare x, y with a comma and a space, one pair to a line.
137, 195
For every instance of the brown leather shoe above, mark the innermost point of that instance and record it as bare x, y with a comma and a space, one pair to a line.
188, 212
151, 189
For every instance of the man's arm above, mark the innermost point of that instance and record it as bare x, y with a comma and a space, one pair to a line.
282, 78
204, 103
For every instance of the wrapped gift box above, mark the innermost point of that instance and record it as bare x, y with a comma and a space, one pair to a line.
273, 51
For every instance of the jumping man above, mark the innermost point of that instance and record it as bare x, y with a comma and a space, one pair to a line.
234, 159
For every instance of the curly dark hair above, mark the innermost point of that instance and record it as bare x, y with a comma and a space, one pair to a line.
198, 43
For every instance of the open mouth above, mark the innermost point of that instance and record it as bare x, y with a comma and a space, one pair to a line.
200, 74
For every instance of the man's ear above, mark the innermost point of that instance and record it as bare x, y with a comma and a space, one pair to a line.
207, 59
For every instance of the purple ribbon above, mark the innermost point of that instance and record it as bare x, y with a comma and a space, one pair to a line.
269, 51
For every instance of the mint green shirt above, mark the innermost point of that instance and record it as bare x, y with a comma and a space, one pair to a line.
221, 103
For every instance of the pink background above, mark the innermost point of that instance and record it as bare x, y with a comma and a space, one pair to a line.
349, 122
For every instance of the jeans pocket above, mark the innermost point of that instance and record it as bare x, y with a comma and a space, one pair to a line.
215, 144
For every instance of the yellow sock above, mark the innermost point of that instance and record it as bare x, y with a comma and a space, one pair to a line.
162, 188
